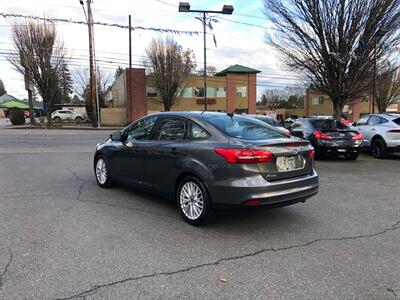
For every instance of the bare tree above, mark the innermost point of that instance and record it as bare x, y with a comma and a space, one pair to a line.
81, 87
40, 57
169, 65
81, 80
387, 88
332, 42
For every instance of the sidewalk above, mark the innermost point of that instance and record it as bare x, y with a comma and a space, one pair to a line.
6, 124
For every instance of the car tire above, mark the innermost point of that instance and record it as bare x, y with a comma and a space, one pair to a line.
193, 201
102, 172
319, 155
78, 119
351, 156
379, 149
57, 119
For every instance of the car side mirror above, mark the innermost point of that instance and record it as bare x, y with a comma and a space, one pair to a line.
116, 136
354, 124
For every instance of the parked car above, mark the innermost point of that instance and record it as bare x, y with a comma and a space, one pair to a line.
381, 133
274, 123
329, 137
208, 160
289, 122
65, 114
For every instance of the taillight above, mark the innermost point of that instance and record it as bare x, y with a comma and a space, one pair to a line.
245, 156
359, 136
320, 135
312, 153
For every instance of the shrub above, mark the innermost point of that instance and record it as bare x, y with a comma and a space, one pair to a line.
17, 117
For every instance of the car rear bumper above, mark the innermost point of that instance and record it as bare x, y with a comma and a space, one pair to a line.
274, 194
338, 150
394, 145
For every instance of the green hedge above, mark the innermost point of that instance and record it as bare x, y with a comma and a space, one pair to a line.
17, 117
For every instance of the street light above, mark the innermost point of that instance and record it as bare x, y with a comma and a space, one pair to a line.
380, 34
226, 10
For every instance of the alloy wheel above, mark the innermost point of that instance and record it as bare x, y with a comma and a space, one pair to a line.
101, 171
191, 200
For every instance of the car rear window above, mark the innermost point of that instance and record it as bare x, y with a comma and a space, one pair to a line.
245, 128
397, 121
328, 124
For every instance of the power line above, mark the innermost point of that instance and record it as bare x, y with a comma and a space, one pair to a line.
60, 20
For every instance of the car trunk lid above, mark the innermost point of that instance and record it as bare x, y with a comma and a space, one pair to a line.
291, 158
338, 134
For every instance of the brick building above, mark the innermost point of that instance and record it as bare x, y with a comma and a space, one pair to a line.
232, 89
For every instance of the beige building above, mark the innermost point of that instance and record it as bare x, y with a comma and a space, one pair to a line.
134, 94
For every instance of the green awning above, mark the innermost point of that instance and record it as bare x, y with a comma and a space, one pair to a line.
16, 104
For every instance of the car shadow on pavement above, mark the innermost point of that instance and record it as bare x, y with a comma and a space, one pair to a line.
259, 217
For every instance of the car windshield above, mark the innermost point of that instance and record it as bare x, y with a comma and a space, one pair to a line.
270, 121
243, 127
328, 124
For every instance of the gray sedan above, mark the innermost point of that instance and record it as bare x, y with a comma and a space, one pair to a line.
208, 160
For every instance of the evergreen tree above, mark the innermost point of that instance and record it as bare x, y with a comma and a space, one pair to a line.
2, 88
65, 83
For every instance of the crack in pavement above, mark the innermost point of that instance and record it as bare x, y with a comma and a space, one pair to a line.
393, 292
6, 267
94, 289
79, 198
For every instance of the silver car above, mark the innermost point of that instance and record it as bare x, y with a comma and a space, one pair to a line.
381, 133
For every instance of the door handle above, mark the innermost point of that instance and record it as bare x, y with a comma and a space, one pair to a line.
373, 128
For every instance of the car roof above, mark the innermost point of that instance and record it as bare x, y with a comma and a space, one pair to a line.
389, 116
261, 116
195, 114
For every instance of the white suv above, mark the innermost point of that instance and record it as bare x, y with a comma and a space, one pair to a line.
381, 133
65, 114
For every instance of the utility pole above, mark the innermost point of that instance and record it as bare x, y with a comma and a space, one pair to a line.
91, 65
205, 61
374, 81
226, 10
129, 73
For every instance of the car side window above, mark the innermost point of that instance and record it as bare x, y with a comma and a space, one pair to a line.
362, 121
197, 132
170, 129
374, 120
383, 121
141, 130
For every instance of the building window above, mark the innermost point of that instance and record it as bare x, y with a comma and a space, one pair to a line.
241, 91
317, 100
187, 92
199, 92
221, 92
211, 92
364, 98
151, 92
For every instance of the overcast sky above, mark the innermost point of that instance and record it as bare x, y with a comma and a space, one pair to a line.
237, 43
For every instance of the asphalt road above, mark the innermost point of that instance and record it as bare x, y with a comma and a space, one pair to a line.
62, 237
